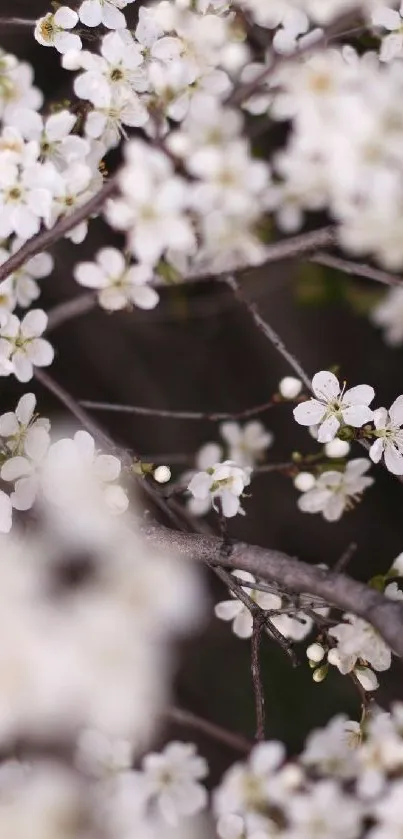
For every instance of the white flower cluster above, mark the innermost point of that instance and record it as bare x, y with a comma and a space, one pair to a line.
244, 446
274, 14
221, 485
346, 778
335, 491
295, 626
69, 474
331, 410
87, 637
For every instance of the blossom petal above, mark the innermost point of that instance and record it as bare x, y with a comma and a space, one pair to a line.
325, 385
359, 395
15, 468
227, 610
334, 507
328, 429
230, 504
380, 418
357, 415
314, 500
243, 624
393, 459
8, 424
396, 411
25, 408
388, 18
376, 450
6, 512
310, 412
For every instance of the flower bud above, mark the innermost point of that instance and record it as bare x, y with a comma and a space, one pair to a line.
290, 387
304, 481
320, 674
162, 474
316, 652
337, 448
366, 678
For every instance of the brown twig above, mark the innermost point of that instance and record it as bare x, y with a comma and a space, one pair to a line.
70, 309
291, 575
228, 738
245, 91
46, 238
164, 413
269, 332
356, 269
257, 676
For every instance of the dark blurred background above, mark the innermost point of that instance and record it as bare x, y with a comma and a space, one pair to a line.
199, 350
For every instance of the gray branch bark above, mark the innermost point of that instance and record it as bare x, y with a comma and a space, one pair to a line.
339, 590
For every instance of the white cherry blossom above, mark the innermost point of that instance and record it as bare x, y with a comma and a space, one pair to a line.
234, 610
334, 406
152, 206
388, 314
108, 12
16, 88
389, 433
21, 287
171, 781
336, 491
53, 30
54, 135
224, 482
247, 445
392, 20
24, 199
88, 476
22, 346
119, 284
357, 641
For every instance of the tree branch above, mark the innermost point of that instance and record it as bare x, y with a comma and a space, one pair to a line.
357, 269
290, 574
46, 238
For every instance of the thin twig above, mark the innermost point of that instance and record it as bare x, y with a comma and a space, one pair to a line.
46, 238
164, 413
346, 557
257, 677
356, 269
228, 738
15, 22
269, 332
70, 309
230, 580
245, 91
